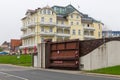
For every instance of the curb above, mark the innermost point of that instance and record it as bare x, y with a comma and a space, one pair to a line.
98, 74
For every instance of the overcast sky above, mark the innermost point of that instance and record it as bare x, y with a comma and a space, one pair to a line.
11, 12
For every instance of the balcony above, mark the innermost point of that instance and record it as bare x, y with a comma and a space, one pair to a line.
63, 34
89, 37
28, 35
23, 28
27, 46
89, 28
47, 24
63, 26
47, 33
31, 25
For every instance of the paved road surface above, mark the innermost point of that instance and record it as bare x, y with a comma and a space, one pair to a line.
9, 72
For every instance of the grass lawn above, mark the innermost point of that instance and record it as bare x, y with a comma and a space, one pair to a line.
23, 60
115, 70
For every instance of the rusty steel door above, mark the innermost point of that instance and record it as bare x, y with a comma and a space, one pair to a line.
64, 55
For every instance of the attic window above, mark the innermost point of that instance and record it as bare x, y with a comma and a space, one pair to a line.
77, 16
44, 11
71, 16
48, 11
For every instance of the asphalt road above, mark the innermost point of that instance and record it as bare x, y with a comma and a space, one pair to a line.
9, 72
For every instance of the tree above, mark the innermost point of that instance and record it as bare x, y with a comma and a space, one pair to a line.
1, 49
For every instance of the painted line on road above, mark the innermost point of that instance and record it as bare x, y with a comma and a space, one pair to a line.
14, 76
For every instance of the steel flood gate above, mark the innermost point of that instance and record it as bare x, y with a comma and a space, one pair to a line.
63, 55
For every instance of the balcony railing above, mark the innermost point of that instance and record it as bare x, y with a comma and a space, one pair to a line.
28, 35
27, 46
89, 28
23, 28
47, 33
63, 26
89, 36
31, 25
63, 34
47, 24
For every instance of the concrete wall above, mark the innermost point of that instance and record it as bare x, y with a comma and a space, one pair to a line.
106, 55
40, 57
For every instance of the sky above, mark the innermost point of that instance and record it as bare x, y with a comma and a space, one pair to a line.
12, 11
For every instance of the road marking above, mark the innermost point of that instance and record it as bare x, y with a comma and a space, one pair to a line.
13, 76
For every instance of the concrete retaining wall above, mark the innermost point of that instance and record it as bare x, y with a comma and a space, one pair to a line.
106, 55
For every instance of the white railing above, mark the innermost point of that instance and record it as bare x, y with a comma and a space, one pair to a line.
89, 36
63, 34
31, 25
28, 35
47, 23
62, 26
89, 28
28, 46
23, 28
47, 33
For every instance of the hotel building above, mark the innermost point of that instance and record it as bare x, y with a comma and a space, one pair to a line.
57, 23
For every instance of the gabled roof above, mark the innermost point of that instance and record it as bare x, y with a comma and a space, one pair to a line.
48, 7
30, 11
6, 43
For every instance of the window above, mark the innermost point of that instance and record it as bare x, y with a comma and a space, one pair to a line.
44, 11
57, 22
34, 19
42, 19
71, 16
48, 12
99, 26
50, 19
77, 23
99, 34
42, 29
77, 16
71, 23
42, 39
50, 29
83, 25
62, 22
74, 32
88, 25
78, 32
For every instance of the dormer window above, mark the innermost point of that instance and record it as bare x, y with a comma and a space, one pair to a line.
48, 11
44, 11
71, 16
77, 17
